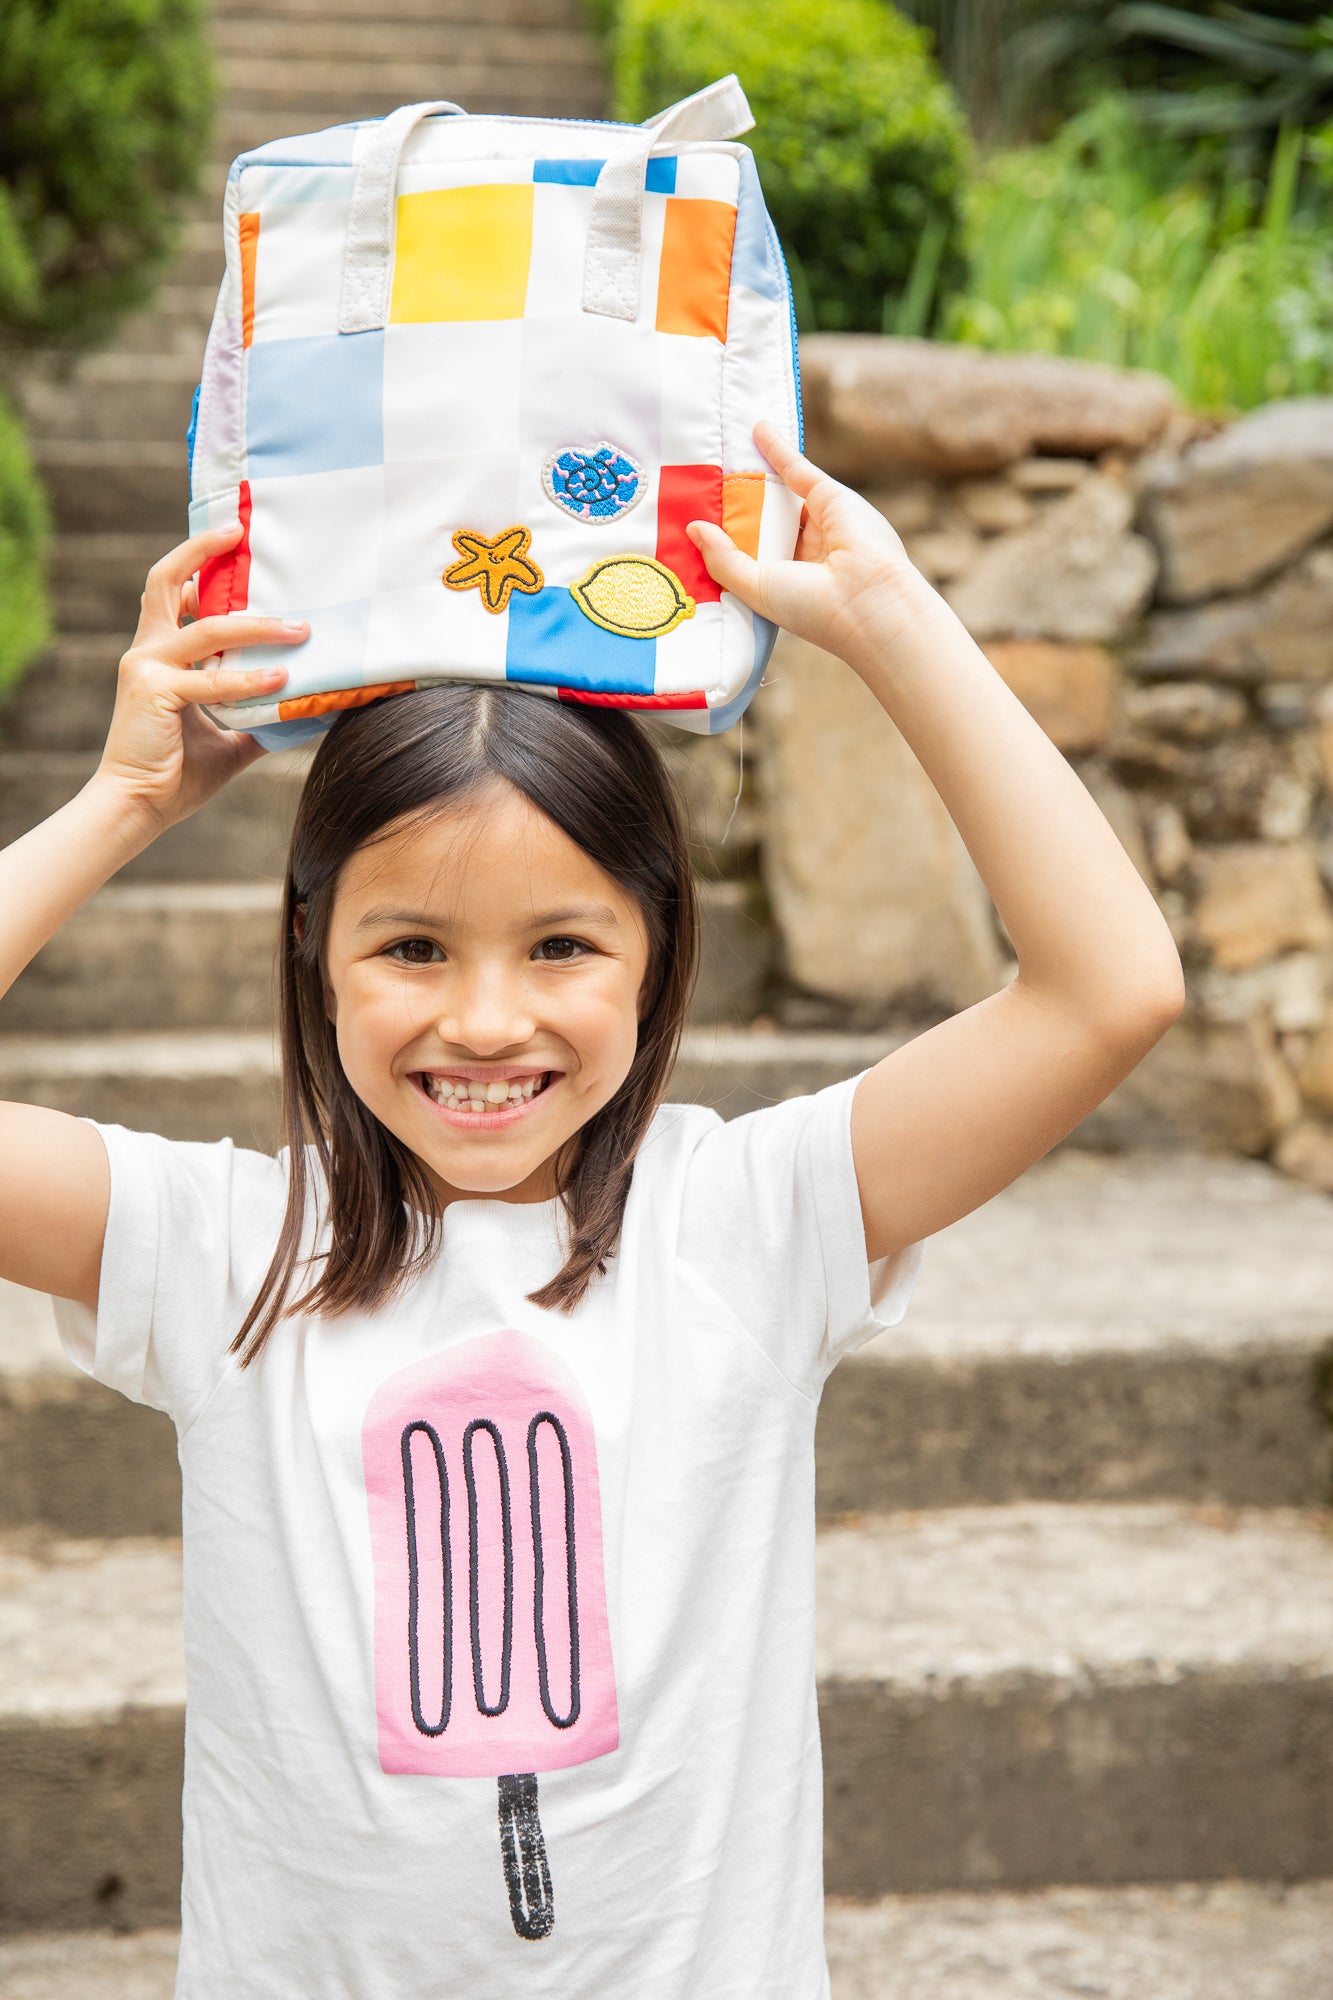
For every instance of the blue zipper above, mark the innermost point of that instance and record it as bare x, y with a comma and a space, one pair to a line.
791, 317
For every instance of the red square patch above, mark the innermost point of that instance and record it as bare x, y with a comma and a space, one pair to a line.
688, 493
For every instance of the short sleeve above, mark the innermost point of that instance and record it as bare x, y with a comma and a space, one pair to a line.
771, 1218
189, 1233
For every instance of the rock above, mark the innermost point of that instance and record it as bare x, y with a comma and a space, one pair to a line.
994, 506
1256, 901
944, 554
873, 891
1168, 842
1279, 633
1292, 991
1077, 574
1046, 476
911, 507
874, 404
1204, 1086
1120, 809
1069, 690
1185, 711
1233, 509
1306, 1153
1316, 1072
1285, 705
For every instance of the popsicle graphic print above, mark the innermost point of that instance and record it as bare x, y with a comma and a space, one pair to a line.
492, 1652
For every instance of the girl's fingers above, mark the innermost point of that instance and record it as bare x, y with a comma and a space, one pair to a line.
190, 600
223, 632
795, 471
726, 564
178, 565
223, 684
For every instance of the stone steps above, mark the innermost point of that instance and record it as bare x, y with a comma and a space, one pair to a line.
178, 956
240, 835
1210, 1387
1009, 1698
212, 1084
1225, 1941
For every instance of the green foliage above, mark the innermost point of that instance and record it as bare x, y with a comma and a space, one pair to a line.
1103, 244
24, 531
859, 143
104, 114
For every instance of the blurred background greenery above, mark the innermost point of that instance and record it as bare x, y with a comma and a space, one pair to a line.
105, 110
1149, 185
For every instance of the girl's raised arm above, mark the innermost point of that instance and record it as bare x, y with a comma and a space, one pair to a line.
162, 760
956, 1114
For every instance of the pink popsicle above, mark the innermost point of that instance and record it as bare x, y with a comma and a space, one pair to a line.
492, 1652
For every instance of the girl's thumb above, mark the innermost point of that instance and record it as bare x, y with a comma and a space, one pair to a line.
725, 563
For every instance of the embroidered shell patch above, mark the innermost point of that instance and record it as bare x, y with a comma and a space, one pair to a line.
634, 596
593, 483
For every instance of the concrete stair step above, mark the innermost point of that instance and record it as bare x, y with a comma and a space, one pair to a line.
210, 1085
94, 483
398, 13
75, 1458
1189, 1941
97, 580
179, 956
92, 1691
1193, 1941
240, 835
519, 93
144, 398
269, 48
1009, 1698
65, 699
1064, 1385
1014, 1697
1153, 1325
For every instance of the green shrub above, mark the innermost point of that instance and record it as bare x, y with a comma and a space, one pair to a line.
104, 114
24, 529
1102, 245
859, 143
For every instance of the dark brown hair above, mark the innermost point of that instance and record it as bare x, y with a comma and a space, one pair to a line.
597, 774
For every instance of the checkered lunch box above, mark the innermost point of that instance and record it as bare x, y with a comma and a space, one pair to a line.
467, 381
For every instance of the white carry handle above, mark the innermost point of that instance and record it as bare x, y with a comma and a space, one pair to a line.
368, 255
611, 273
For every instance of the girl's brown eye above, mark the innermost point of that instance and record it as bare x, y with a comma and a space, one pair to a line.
560, 950
414, 951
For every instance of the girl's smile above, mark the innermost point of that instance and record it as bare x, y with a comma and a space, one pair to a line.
483, 976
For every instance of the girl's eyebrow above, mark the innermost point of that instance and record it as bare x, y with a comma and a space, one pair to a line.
576, 913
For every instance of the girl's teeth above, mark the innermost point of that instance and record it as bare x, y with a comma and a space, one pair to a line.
474, 1094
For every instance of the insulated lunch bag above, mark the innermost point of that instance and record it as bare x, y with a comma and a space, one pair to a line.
467, 381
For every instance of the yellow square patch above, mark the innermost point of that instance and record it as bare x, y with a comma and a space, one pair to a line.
463, 253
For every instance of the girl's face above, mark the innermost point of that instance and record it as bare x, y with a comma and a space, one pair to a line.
483, 975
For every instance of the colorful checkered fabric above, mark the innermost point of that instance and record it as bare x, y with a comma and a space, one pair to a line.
491, 401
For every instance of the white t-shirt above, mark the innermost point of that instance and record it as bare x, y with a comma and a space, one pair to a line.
462, 1540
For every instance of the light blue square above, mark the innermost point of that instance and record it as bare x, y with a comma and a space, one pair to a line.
551, 643
315, 405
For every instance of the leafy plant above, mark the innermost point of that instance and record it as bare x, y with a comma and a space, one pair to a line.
860, 144
1084, 247
104, 113
25, 625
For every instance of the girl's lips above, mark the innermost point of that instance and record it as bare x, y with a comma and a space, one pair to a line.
494, 1116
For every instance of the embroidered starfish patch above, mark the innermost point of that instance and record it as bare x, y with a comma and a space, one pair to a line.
496, 564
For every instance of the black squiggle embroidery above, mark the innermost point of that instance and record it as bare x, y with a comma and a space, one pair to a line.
523, 1857
413, 1580
507, 1533
539, 1565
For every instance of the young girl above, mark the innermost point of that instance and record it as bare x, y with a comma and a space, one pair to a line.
496, 1390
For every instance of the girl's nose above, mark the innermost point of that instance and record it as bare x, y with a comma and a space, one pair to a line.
487, 1014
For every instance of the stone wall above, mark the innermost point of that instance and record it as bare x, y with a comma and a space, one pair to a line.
1158, 590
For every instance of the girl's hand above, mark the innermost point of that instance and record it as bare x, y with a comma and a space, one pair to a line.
850, 583
165, 756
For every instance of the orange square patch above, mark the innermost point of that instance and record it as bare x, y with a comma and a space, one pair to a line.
694, 278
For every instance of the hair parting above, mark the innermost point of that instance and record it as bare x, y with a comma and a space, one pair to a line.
597, 774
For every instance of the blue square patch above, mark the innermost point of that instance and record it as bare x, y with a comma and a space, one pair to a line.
315, 405
551, 643
660, 177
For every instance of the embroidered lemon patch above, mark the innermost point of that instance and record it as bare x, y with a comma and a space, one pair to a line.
634, 596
